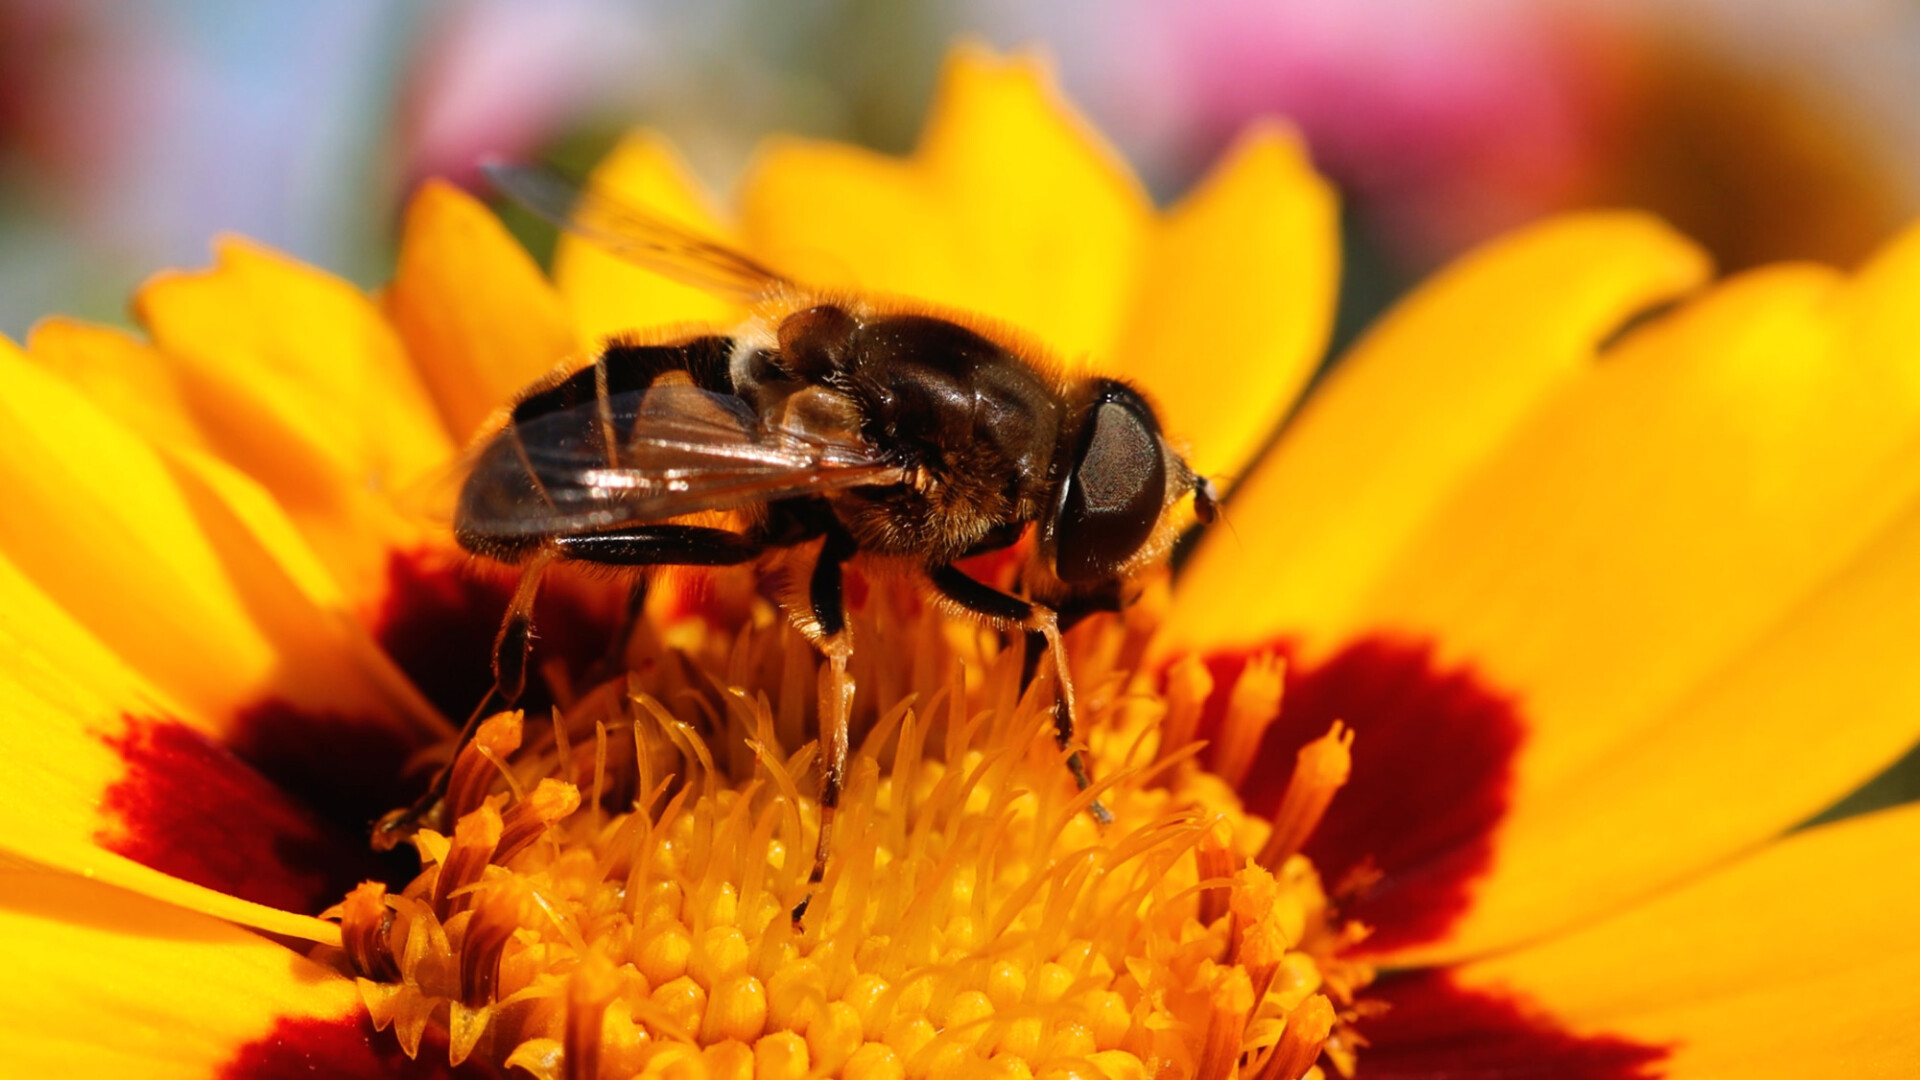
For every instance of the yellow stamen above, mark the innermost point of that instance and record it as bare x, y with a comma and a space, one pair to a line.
1232, 1000
592, 988
529, 817
780, 1056
365, 917
1320, 769
1216, 864
476, 769
1253, 705
487, 934
972, 919
1308, 1026
476, 839
1189, 684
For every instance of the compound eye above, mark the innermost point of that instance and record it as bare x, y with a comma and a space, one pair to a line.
1115, 494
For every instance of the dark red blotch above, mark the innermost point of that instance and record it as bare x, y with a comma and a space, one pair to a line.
1433, 759
348, 1049
443, 610
280, 814
1433, 1029
347, 769
191, 807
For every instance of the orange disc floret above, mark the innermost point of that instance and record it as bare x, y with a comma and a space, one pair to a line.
616, 894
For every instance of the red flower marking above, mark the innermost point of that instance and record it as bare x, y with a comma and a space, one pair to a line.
348, 770
1436, 1030
189, 807
442, 611
1432, 761
346, 1049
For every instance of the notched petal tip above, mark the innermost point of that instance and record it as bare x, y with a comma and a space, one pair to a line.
1238, 290
478, 317
291, 364
608, 296
1009, 108
1423, 401
976, 77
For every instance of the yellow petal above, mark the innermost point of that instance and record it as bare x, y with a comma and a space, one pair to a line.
185, 571
1010, 208
102, 983
1638, 539
142, 388
1631, 563
1659, 513
1796, 961
297, 378
311, 378
608, 296
128, 378
831, 215
1421, 403
107, 777
1236, 301
477, 317
1823, 700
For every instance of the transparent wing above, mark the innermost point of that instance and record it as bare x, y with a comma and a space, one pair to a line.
637, 235
650, 455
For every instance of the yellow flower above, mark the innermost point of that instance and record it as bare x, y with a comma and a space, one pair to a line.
1586, 610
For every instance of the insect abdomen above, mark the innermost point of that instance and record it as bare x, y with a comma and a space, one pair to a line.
502, 501
630, 368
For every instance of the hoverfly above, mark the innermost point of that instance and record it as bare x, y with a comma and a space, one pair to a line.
844, 423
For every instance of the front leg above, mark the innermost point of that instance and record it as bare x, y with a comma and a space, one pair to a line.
1071, 614
1042, 625
826, 603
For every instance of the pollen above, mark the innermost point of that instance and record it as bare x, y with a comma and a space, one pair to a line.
614, 891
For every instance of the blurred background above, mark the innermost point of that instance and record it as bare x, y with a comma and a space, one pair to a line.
132, 131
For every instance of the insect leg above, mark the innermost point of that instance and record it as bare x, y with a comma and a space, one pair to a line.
683, 545
514, 643
511, 648
630, 615
827, 601
1043, 627
690, 545
662, 545
1068, 616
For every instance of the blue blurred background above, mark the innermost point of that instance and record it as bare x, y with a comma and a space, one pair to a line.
131, 131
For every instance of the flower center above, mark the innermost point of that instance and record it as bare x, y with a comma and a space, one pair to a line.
615, 896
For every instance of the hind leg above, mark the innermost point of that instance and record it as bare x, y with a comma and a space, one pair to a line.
654, 545
630, 616
512, 646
